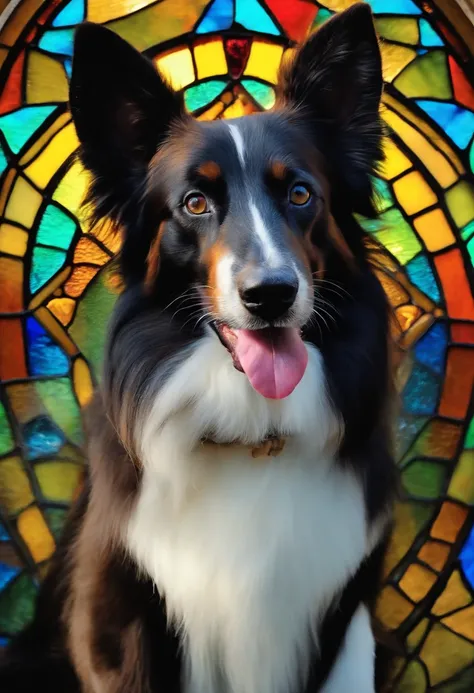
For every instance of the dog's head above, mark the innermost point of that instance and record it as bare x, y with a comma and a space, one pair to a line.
251, 212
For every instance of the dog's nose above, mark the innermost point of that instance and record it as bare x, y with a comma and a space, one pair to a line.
268, 295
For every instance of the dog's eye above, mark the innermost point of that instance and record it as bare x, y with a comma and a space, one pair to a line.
196, 203
299, 195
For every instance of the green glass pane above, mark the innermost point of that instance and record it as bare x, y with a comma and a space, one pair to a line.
202, 94
414, 679
3, 160
46, 262
17, 605
322, 16
397, 236
62, 406
424, 479
469, 440
262, 93
56, 519
439, 440
470, 250
460, 201
383, 194
427, 76
401, 29
55, 228
467, 231
471, 157
89, 326
6, 438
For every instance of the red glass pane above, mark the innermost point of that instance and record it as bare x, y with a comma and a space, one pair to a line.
463, 91
11, 95
295, 17
237, 52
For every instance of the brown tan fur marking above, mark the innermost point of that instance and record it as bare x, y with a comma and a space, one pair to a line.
153, 260
211, 259
209, 169
278, 170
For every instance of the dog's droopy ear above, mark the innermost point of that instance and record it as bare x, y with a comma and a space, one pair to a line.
335, 80
122, 109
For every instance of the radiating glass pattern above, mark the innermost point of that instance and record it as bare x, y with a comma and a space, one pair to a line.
56, 293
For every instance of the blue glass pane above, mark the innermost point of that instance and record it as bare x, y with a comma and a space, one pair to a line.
428, 36
46, 262
458, 123
45, 356
58, 41
68, 67
4, 536
202, 94
71, 14
20, 125
3, 160
219, 15
7, 573
394, 7
56, 228
251, 15
467, 558
421, 274
430, 350
406, 432
421, 392
4, 642
42, 438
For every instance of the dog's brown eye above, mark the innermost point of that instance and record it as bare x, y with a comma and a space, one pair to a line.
196, 204
299, 194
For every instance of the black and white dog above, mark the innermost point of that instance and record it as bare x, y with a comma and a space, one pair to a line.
230, 534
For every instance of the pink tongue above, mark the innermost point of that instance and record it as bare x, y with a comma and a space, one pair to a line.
274, 360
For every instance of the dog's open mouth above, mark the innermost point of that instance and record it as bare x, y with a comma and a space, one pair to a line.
274, 359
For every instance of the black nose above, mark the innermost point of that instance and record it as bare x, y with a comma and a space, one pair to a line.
268, 295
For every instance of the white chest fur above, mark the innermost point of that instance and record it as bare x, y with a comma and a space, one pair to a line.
248, 553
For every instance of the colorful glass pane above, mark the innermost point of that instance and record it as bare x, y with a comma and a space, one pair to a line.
56, 293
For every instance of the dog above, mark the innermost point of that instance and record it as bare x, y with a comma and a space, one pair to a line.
230, 534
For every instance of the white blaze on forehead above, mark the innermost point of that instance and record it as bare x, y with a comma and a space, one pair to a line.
272, 255
238, 140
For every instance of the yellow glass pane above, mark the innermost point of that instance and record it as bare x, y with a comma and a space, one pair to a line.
36, 534
462, 622
445, 654
53, 156
62, 309
460, 201
392, 608
210, 59
435, 162
24, 203
213, 112
395, 160
462, 483
413, 193
434, 230
38, 144
415, 637
264, 61
177, 67
6, 187
454, 596
100, 11
13, 240
104, 232
59, 480
82, 382
404, 29
241, 106
88, 251
424, 126
46, 80
417, 582
15, 485
394, 59
72, 188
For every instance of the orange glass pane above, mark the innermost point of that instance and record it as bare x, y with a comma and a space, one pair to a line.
81, 276
88, 251
11, 281
12, 357
462, 622
445, 654
458, 382
82, 382
452, 274
450, 519
434, 554
13, 240
62, 309
434, 229
413, 193
417, 581
454, 596
392, 608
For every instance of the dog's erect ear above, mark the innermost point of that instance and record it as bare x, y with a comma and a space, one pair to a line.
122, 109
335, 80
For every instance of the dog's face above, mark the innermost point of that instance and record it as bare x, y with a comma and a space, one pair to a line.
247, 212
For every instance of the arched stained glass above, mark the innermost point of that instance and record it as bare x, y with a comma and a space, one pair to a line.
56, 293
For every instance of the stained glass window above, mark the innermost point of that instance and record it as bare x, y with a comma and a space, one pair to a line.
56, 292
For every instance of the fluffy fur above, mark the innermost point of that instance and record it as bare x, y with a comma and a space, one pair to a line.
189, 565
